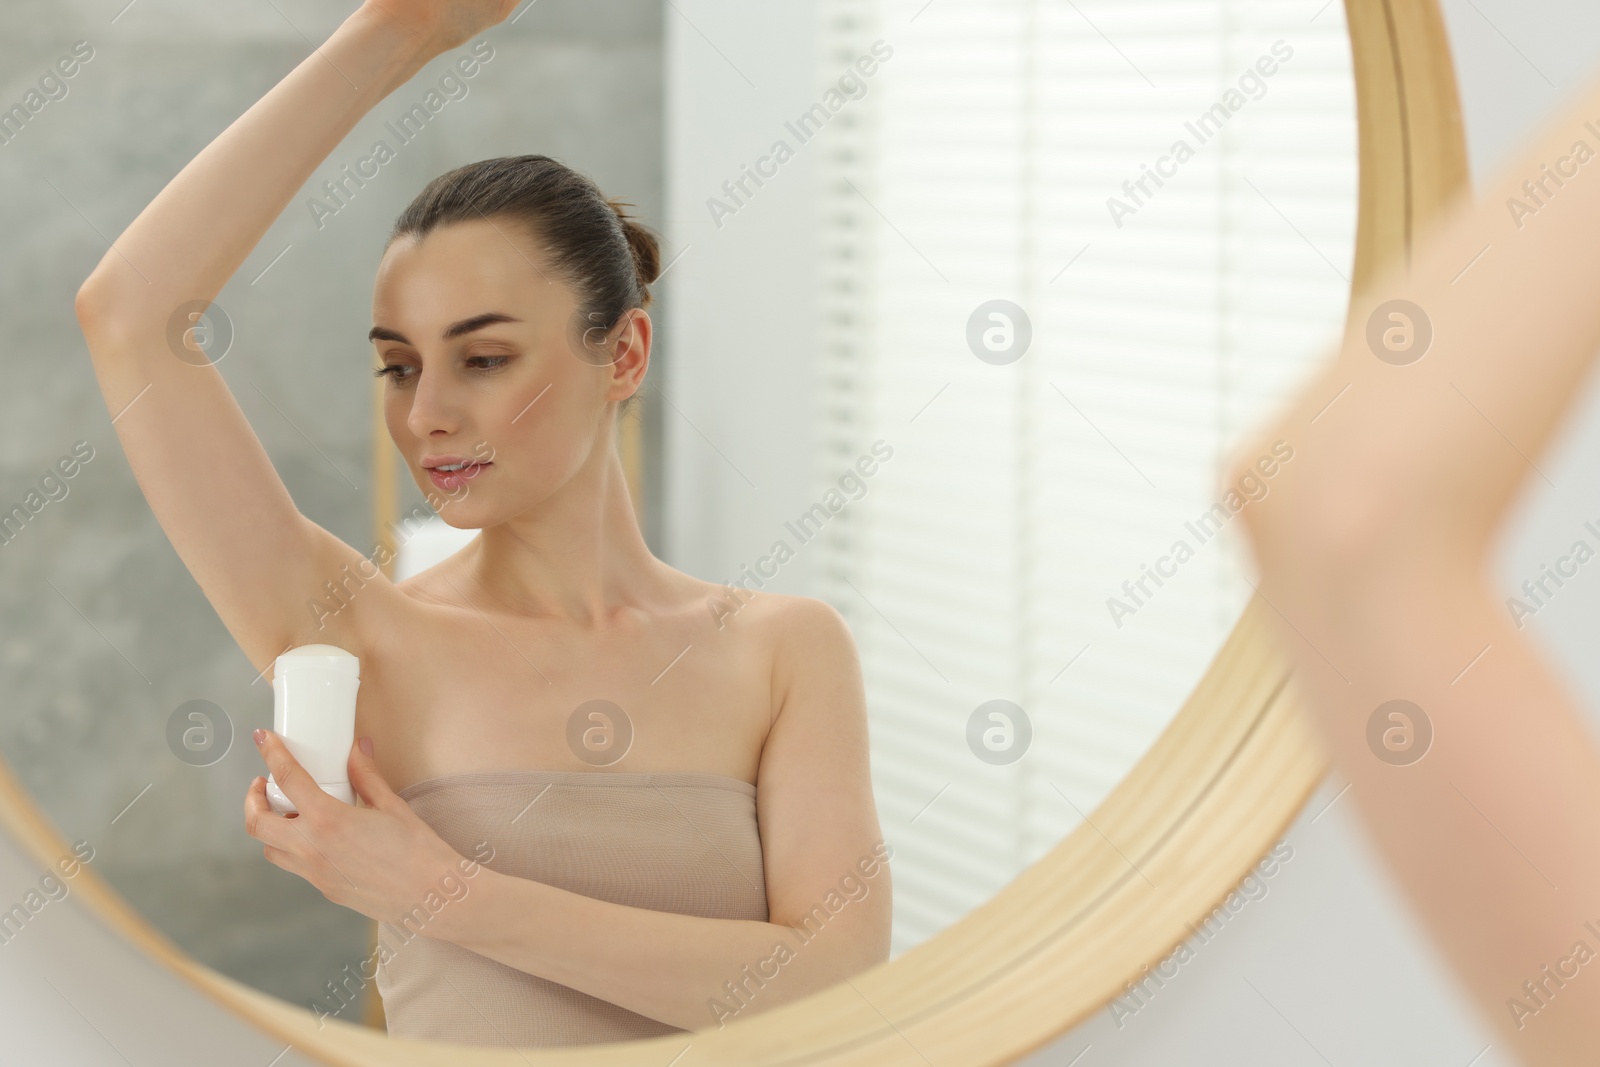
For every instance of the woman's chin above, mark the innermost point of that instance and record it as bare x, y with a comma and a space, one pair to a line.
459, 518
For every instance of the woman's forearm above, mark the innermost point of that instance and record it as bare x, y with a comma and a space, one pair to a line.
683, 970
1481, 790
198, 230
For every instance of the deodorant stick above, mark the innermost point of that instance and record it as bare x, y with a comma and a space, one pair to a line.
314, 711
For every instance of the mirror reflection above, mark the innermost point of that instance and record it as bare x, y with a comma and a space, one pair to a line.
717, 457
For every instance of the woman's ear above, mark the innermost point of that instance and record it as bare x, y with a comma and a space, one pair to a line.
631, 357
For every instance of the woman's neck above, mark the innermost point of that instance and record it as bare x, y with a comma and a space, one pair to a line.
579, 555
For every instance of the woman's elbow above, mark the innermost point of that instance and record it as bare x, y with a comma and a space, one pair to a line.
91, 306
1313, 528
107, 320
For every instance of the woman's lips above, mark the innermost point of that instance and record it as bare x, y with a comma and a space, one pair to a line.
456, 479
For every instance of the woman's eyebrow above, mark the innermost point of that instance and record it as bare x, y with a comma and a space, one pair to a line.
454, 330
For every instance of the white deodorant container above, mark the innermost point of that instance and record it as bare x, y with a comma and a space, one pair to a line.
314, 711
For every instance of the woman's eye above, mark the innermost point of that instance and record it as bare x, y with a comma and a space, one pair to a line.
401, 372
392, 371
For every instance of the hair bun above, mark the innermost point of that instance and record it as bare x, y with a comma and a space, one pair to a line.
642, 242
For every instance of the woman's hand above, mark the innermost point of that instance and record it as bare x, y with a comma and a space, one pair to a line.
381, 860
440, 25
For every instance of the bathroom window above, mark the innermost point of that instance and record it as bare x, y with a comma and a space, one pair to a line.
980, 164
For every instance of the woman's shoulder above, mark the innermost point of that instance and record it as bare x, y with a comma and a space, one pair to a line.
814, 667
806, 617
799, 631
757, 607
791, 627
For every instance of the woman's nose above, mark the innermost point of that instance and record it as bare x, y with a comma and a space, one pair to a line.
433, 408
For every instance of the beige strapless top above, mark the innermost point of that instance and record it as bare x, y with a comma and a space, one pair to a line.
684, 842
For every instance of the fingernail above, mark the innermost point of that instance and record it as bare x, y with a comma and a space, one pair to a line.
260, 735
366, 745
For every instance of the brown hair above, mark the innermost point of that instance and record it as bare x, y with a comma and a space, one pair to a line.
600, 250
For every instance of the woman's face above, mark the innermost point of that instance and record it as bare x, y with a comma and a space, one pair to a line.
478, 331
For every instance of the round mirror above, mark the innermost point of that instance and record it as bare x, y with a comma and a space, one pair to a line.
962, 307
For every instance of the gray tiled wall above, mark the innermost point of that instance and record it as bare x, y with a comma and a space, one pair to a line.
104, 633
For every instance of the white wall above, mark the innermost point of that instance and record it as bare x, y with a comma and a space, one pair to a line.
738, 417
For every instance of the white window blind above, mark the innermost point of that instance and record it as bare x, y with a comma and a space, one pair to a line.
1020, 497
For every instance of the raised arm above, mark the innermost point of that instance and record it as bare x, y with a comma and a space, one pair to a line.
202, 469
1375, 550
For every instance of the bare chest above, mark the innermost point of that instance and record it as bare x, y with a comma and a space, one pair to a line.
450, 690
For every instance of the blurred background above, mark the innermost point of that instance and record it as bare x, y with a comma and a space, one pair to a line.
107, 634
800, 320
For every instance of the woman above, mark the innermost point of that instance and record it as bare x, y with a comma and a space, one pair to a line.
675, 880
1481, 787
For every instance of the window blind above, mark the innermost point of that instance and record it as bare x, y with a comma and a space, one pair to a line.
980, 165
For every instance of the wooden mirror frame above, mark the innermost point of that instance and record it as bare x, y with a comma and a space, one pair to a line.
1213, 794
